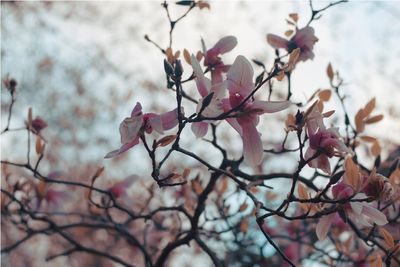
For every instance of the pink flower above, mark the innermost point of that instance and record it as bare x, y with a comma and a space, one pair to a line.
53, 198
304, 39
212, 59
326, 141
205, 88
119, 188
38, 124
360, 212
329, 144
240, 85
132, 128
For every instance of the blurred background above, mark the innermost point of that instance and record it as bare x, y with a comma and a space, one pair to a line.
82, 66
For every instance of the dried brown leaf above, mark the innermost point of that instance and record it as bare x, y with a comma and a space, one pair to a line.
186, 56
387, 237
374, 119
325, 95
329, 72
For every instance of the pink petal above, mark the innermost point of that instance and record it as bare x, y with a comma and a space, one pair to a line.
119, 188
323, 226
170, 119
375, 215
270, 106
216, 76
123, 148
130, 128
240, 77
202, 83
226, 44
136, 110
277, 42
252, 145
357, 207
321, 162
200, 129
156, 124
232, 121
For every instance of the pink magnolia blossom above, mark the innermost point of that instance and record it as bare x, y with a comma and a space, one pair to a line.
52, 197
119, 188
38, 124
360, 212
304, 39
240, 85
212, 57
327, 141
205, 88
132, 128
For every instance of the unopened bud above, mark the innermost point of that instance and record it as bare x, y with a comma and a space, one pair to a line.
169, 70
178, 68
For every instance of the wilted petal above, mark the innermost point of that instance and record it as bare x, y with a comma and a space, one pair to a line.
323, 226
270, 106
199, 129
375, 215
123, 148
240, 77
202, 83
226, 44
276, 41
252, 145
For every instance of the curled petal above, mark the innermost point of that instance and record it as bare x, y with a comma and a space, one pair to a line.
226, 44
277, 42
323, 226
123, 148
200, 129
240, 77
270, 106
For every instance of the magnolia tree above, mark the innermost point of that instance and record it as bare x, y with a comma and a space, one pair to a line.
224, 209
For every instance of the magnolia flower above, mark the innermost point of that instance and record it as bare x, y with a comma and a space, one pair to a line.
204, 87
53, 198
212, 59
119, 188
359, 212
132, 128
329, 143
38, 124
240, 85
304, 39
322, 140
